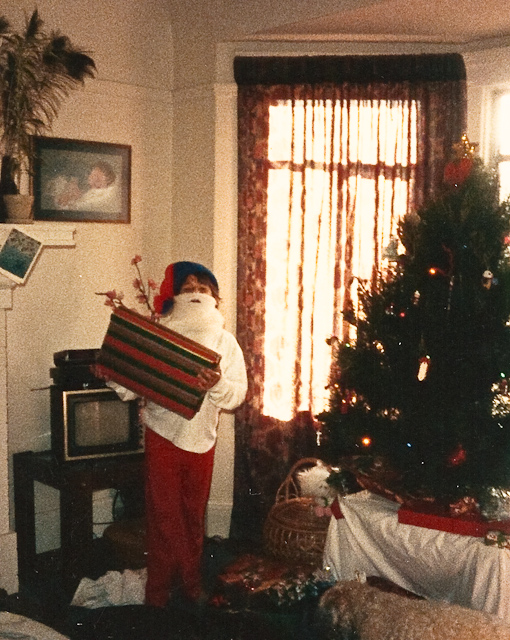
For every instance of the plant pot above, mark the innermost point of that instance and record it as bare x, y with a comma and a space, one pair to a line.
18, 208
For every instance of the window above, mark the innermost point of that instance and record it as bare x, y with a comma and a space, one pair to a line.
338, 182
332, 152
502, 142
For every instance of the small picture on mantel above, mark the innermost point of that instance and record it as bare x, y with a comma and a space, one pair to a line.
80, 181
18, 254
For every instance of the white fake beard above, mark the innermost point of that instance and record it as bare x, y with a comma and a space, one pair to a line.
194, 313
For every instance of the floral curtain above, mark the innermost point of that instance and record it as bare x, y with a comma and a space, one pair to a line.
421, 99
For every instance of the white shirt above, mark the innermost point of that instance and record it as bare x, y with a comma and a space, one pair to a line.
201, 322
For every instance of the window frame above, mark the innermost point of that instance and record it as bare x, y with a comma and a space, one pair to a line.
495, 157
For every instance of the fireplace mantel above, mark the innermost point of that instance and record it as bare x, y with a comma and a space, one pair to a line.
51, 235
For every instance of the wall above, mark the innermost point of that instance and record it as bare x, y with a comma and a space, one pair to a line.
129, 103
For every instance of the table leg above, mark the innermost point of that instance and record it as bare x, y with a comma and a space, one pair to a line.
76, 530
24, 514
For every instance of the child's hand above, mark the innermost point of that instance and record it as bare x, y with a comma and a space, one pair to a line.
207, 378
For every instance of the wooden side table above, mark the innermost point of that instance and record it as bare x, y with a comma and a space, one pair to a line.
76, 482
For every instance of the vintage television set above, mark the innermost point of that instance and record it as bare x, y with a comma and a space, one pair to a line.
88, 419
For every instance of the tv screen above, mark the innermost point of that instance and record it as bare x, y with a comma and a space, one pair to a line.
90, 423
99, 422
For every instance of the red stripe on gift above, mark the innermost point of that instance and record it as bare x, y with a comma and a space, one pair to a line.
150, 394
188, 395
164, 352
157, 365
138, 321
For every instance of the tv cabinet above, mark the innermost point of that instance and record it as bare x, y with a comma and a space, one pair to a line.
76, 481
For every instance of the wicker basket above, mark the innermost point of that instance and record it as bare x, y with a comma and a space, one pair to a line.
127, 538
292, 531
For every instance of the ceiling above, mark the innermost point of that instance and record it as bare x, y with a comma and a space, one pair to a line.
445, 21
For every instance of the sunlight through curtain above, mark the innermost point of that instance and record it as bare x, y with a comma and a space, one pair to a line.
313, 146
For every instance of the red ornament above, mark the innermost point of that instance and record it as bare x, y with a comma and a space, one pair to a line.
458, 456
455, 173
465, 507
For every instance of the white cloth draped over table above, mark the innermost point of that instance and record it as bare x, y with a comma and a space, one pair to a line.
434, 564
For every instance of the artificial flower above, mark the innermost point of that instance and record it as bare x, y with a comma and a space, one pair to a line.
143, 292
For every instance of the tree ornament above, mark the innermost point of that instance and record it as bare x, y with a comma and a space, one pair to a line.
500, 400
390, 252
435, 270
457, 457
466, 506
487, 279
423, 368
348, 400
457, 171
496, 504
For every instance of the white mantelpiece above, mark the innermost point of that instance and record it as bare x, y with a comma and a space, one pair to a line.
51, 235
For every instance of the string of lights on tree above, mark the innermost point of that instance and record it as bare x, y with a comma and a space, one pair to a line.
422, 391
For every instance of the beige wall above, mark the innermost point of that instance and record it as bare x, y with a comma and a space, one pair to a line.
129, 103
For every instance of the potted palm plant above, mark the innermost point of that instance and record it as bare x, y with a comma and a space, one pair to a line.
38, 69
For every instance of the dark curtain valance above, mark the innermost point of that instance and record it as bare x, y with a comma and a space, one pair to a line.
351, 69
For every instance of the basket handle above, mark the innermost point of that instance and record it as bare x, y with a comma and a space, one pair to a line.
290, 487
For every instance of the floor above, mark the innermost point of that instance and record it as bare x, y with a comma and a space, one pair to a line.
45, 602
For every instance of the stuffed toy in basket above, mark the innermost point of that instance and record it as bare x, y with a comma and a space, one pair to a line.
295, 529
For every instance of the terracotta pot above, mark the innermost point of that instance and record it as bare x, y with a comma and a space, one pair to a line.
18, 208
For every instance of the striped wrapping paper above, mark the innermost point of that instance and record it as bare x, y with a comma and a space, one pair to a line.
155, 362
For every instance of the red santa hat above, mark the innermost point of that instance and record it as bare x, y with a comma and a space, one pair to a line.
175, 276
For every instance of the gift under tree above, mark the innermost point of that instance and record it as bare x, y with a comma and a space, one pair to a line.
420, 399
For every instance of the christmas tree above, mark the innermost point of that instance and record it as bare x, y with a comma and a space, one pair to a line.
421, 393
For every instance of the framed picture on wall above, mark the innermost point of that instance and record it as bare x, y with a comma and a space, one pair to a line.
18, 254
80, 181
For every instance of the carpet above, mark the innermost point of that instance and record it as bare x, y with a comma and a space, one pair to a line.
224, 616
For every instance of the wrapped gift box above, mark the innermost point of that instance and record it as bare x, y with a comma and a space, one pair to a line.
253, 582
155, 362
432, 517
468, 526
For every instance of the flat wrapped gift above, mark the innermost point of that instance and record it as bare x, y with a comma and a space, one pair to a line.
476, 527
155, 362
259, 582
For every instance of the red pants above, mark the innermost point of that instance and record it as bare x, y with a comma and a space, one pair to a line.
176, 492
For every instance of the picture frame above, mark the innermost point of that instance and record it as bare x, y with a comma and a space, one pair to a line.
18, 253
81, 181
